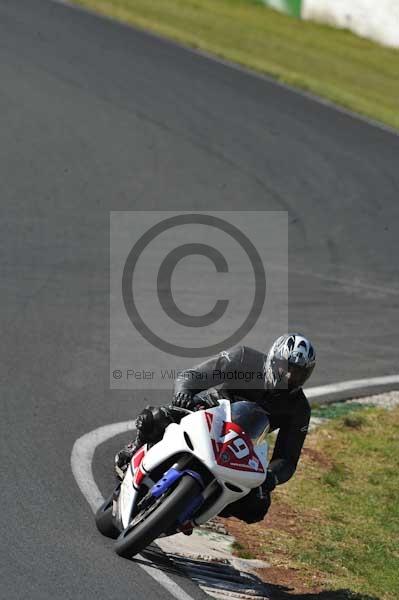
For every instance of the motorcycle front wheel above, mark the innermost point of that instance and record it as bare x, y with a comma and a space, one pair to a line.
157, 518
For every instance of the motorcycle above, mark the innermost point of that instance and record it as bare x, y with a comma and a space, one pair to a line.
209, 460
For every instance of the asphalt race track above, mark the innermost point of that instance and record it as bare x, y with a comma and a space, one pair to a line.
97, 117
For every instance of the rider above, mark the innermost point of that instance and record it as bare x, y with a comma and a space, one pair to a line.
235, 375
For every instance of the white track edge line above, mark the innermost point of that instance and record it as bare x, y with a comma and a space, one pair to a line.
352, 385
81, 464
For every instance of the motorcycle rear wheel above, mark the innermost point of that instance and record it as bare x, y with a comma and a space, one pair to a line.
104, 520
155, 522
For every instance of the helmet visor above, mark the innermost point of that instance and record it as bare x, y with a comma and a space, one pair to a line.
298, 375
289, 376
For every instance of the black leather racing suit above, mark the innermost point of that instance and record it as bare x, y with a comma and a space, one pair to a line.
239, 375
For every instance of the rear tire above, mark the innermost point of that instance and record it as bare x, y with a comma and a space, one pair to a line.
134, 539
104, 520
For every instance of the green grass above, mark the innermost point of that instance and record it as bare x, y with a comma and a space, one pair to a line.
336, 410
241, 551
348, 506
335, 64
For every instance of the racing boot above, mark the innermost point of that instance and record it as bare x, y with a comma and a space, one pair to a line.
124, 456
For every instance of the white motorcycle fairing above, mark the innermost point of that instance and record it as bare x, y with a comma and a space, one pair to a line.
237, 463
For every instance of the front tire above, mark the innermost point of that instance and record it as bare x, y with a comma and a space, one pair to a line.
135, 538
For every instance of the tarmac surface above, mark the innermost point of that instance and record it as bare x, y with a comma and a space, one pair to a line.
98, 117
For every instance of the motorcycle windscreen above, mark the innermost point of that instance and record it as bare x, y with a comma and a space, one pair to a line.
252, 419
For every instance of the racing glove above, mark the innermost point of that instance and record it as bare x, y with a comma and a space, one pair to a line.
184, 400
207, 399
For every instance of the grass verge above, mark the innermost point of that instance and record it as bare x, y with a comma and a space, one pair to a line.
335, 526
335, 64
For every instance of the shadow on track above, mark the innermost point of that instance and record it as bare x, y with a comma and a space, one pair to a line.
215, 578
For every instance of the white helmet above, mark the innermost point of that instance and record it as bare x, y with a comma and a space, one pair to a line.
290, 362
